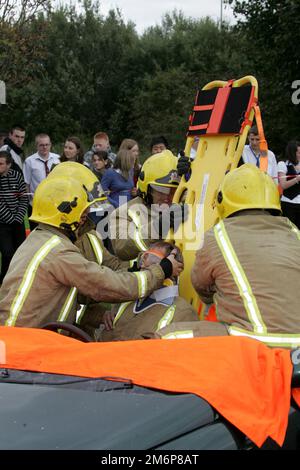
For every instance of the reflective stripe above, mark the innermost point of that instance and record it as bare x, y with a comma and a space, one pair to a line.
28, 279
240, 278
96, 247
179, 335
294, 228
120, 312
167, 318
138, 240
280, 340
68, 304
81, 313
142, 283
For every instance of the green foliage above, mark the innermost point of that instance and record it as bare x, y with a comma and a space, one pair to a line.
74, 71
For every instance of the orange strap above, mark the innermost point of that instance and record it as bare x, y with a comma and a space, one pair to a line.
244, 380
263, 145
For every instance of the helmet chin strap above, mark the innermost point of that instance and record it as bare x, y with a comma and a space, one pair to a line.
70, 231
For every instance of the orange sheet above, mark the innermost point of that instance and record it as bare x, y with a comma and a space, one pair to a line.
247, 382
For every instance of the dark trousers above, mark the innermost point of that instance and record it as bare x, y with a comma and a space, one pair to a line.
292, 212
32, 224
11, 237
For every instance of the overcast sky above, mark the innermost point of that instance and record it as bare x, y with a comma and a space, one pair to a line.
145, 13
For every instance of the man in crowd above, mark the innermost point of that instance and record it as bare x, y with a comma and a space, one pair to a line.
38, 166
13, 145
101, 142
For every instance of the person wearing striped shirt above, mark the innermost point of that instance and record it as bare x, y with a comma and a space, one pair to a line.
13, 207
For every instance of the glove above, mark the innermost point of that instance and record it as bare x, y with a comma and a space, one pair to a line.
183, 165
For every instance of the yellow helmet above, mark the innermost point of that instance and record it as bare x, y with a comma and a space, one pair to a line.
247, 187
82, 174
60, 202
159, 170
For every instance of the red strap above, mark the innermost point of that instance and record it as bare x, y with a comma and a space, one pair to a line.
204, 107
218, 111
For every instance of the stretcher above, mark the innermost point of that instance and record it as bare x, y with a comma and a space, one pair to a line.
221, 118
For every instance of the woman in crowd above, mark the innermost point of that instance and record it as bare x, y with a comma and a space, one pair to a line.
100, 163
133, 147
289, 179
73, 151
119, 179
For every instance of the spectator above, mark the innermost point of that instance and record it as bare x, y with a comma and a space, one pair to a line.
133, 147
101, 142
73, 151
251, 154
100, 163
13, 206
119, 179
289, 180
158, 144
13, 144
38, 165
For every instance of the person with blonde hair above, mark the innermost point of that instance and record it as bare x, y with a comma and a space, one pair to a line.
118, 181
133, 147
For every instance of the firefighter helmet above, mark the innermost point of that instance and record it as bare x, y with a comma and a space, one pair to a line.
60, 202
247, 187
159, 170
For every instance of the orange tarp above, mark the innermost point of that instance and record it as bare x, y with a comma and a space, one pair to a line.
244, 380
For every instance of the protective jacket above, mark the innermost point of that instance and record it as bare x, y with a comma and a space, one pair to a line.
48, 270
130, 229
142, 318
249, 266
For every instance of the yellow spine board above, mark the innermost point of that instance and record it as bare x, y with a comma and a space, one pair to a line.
216, 155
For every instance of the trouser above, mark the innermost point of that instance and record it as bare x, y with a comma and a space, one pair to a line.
192, 329
292, 212
11, 237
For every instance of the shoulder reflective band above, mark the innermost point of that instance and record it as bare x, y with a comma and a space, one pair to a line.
68, 304
167, 318
275, 340
120, 312
28, 279
142, 283
96, 247
138, 240
240, 278
179, 335
294, 228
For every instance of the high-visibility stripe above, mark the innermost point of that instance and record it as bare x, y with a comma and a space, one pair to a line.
138, 240
179, 335
203, 107
28, 279
120, 312
167, 318
240, 279
294, 228
279, 340
68, 304
142, 283
81, 313
96, 247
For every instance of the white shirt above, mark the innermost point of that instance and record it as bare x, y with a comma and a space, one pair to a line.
282, 168
34, 169
250, 157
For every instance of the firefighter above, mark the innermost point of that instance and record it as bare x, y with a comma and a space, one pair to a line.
149, 216
48, 270
142, 318
249, 265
